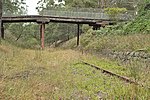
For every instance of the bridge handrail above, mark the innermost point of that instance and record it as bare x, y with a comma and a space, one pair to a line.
88, 13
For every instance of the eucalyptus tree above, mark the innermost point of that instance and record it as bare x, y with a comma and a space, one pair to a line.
82, 3
44, 4
14, 6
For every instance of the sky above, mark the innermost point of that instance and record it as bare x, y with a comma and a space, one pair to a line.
32, 5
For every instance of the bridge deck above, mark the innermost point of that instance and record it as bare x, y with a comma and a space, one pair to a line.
47, 19
84, 16
39, 18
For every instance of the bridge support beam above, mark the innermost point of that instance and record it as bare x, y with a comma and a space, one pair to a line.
78, 35
96, 27
42, 30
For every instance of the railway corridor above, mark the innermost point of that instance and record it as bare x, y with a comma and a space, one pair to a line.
53, 74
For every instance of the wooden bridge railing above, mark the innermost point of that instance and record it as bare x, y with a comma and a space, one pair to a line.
87, 13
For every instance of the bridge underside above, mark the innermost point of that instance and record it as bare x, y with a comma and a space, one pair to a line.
38, 18
42, 20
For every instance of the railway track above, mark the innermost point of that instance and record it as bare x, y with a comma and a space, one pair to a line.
126, 79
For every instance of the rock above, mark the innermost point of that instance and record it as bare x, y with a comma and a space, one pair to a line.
127, 53
132, 54
101, 95
136, 54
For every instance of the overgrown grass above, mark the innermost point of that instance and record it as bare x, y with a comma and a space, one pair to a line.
130, 42
58, 74
135, 70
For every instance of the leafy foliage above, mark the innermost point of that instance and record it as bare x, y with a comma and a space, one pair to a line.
82, 3
141, 24
14, 6
113, 12
24, 35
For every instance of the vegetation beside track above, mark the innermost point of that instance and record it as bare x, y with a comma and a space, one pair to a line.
53, 74
59, 74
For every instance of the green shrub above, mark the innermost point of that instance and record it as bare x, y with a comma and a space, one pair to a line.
31, 43
140, 25
85, 28
114, 12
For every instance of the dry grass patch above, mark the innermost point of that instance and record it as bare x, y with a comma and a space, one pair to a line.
54, 74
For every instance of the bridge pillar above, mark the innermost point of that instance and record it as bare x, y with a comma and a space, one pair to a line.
1, 4
42, 30
0, 28
2, 31
78, 35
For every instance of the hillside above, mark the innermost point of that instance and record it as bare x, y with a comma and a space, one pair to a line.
127, 41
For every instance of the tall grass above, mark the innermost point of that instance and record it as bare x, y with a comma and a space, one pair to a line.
53, 74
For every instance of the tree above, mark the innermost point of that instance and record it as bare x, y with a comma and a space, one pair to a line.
44, 4
114, 12
14, 6
82, 3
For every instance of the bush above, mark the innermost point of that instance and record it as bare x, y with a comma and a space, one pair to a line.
31, 43
114, 12
141, 24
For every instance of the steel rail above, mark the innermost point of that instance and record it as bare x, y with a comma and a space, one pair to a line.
126, 79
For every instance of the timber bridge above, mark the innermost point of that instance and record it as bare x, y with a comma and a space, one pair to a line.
93, 17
